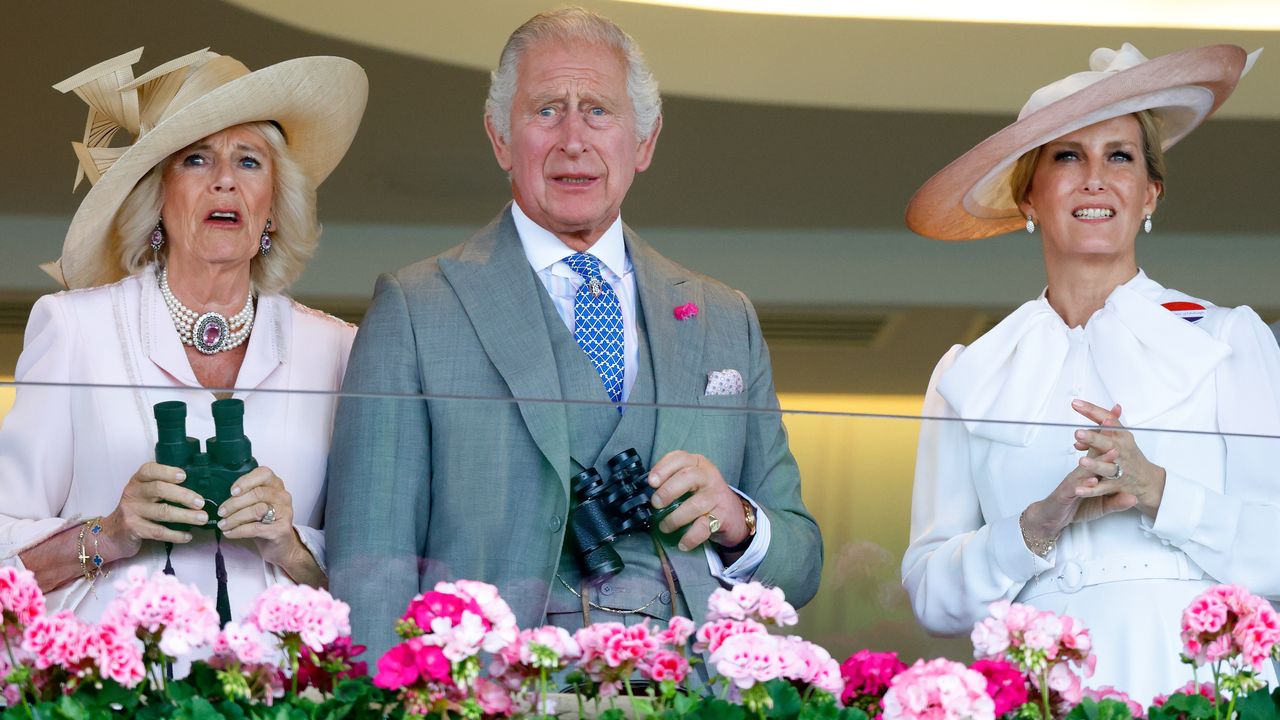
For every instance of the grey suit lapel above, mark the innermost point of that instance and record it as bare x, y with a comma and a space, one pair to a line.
498, 291
674, 345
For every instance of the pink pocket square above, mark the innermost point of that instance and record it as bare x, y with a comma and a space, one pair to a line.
724, 382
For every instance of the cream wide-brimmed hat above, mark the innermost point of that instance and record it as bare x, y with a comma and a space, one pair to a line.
317, 102
970, 198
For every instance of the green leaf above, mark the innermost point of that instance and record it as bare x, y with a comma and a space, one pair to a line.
612, 714
786, 700
820, 711
1258, 705
853, 713
195, 708
717, 709
1194, 707
1086, 710
685, 704
71, 709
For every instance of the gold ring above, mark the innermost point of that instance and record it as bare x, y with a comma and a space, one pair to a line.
714, 523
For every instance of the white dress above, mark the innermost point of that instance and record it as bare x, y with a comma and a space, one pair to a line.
67, 452
1126, 577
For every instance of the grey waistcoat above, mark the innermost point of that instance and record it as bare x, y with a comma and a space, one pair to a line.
597, 433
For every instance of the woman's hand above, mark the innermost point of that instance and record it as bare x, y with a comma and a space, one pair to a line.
1112, 452
1075, 498
152, 496
262, 509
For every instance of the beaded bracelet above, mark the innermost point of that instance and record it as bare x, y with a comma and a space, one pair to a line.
1038, 545
90, 565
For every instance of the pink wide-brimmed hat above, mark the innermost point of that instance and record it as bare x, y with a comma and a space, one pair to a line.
317, 102
971, 199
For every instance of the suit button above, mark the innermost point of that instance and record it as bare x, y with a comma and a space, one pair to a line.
554, 523
606, 589
664, 597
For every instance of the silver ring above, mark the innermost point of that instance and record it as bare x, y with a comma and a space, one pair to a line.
1119, 473
269, 516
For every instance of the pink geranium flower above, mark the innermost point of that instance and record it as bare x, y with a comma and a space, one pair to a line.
664, 666
161, 606
712, 635
21, 601
678, 631
311, 614
1227, 623
938, 690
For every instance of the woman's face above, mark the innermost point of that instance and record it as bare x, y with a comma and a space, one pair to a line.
1090, 191
217, 198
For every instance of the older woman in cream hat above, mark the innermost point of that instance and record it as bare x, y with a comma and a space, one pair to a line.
176, 261
1117, 528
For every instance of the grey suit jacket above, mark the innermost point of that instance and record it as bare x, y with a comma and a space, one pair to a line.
473, 484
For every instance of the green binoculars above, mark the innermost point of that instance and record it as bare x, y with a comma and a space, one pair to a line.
210, 473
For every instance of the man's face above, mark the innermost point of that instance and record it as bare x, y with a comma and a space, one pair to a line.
573, 150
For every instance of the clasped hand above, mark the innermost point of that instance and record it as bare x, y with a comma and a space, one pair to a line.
154, 495
679, 472
1113, 475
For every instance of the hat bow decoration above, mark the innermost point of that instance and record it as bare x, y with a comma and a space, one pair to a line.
117, 101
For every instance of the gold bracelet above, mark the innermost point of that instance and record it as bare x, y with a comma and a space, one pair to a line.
1038, 545
90, 565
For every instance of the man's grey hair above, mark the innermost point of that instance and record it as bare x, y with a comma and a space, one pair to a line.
573, 26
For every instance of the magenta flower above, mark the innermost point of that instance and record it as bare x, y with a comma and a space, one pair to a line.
866, 677
397, 668
1006, 684
685, 311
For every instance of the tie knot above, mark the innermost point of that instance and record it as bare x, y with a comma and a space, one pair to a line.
588, 266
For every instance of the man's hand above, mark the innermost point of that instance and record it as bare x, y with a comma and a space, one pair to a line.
679, 472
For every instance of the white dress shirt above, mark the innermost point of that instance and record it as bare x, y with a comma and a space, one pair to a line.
546, 255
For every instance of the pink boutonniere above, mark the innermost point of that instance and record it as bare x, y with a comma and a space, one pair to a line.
685, 311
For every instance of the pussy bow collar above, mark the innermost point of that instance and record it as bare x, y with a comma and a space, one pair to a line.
1149, 359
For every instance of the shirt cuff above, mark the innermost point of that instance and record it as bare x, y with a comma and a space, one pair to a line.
313, 540
1180, 510
1011, 554
745, 566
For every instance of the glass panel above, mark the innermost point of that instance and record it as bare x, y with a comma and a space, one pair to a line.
66, 451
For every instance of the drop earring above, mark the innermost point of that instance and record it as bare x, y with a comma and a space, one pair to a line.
157, 236
1146, 224
264, 243
1031, 225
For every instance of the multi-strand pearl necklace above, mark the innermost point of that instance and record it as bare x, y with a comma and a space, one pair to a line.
208, 332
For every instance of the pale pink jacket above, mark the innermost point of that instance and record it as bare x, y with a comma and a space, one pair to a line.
66, 451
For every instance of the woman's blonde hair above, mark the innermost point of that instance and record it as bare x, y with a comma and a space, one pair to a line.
1152, 153
294, 235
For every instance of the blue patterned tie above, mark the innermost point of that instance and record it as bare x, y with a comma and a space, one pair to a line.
597, 322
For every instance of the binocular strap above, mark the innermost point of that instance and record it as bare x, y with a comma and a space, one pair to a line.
168, 570
668, 574
219, 572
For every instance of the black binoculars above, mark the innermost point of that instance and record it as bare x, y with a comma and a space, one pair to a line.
211, 473
609, 508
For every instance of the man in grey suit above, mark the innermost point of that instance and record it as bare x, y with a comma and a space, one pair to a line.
556, 300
